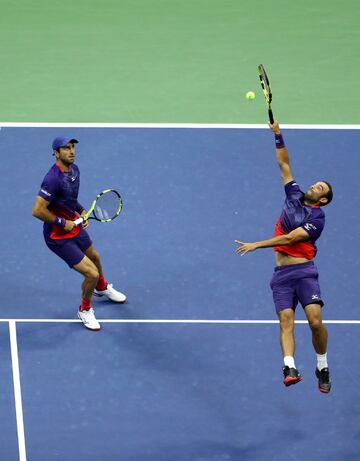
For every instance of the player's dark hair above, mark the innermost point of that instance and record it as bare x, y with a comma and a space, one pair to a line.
329, 195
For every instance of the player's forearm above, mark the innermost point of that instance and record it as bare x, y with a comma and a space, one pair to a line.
297, 235
40, 211
47, 216
280, 240
282, 157
44, 215
281, 151
282, 154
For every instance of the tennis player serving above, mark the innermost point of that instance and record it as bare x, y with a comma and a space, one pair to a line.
296, 277
57, 205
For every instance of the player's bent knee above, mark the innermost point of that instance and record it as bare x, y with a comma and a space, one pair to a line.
92, 274
87, 268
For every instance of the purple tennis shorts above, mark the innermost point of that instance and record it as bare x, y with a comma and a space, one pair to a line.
70, 250
293, 283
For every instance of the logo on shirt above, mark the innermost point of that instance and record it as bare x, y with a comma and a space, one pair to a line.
73, 178
45, 192
309, 226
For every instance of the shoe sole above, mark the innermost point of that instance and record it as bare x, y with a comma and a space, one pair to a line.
289, 381
92, 329
324, 391
88, 328
115, 302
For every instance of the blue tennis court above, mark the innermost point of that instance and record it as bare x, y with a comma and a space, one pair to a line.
190, 367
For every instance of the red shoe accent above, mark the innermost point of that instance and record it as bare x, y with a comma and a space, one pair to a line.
324, 391
289, 380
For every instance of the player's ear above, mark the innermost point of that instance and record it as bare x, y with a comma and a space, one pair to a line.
323, 200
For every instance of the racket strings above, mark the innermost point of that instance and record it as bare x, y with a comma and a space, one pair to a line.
265, 84
107, 206
266, 88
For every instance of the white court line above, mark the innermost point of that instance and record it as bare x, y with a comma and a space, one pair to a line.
194, 321
176, 125
17, 391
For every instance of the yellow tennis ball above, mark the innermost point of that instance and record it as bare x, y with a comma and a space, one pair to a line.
250, 95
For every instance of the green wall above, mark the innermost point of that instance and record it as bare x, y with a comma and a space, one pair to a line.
178, 61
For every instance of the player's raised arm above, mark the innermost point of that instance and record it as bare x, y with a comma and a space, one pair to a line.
282, 155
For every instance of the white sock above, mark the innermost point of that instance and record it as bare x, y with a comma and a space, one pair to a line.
321, 361
289, 361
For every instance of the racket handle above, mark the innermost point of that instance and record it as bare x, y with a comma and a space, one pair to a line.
78, 221
271, 117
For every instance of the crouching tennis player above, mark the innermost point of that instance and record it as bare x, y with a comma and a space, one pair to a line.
56, 204
296, 277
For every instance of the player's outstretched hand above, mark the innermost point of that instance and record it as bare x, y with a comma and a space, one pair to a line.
245, 247
275, 127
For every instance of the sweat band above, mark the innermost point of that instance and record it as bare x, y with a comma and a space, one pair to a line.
279, 141
60, 221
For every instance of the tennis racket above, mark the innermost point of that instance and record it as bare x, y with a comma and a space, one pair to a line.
106, 207
265, 84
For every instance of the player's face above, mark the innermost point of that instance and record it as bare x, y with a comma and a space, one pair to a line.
316, 192
67, 154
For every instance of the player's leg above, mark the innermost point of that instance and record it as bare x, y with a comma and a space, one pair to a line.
319, 339
309, 294
287, 342
91, 275
94, 256
71, 252
285, 301
287, 337
103, 288
318, 330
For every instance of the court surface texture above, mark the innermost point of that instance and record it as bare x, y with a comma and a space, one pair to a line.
189, 369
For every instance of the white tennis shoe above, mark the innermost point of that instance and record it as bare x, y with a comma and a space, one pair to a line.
89, 320
112, 294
